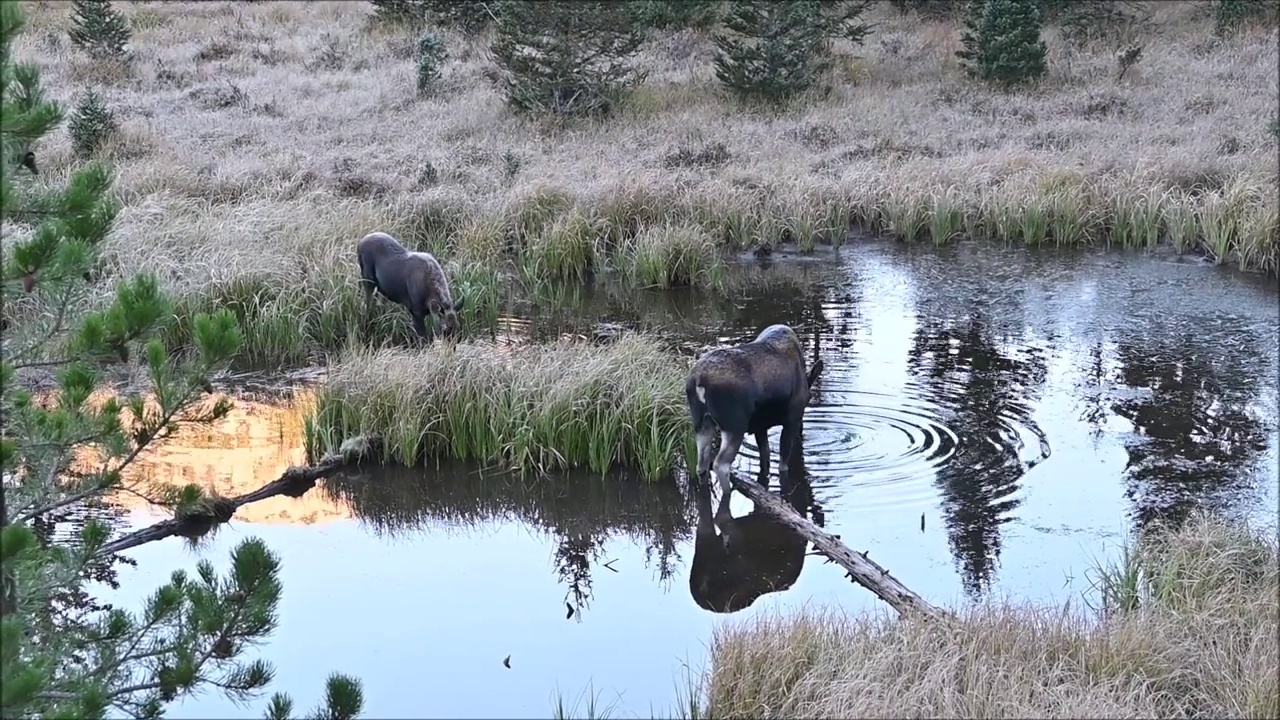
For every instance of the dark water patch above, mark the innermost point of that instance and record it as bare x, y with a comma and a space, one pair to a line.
685, 315
1033, 407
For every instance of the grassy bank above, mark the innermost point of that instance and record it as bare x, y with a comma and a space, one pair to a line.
259, 141
561, 405
1189, 627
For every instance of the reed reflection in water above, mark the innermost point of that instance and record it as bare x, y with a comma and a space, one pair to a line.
579, 511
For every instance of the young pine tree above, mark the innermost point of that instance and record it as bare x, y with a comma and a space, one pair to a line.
1002, 43
566, 58
431, 54
60, 450
91, 126
98, 28
772, 51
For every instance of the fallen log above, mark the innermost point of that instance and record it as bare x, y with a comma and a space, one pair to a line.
862, 569
293, 482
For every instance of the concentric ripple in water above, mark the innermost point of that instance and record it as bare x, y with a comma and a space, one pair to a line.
889, 450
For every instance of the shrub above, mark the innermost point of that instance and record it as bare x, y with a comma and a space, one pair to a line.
677, 14
930, 9
468, 16
1002, 43
92, 125
431, 54
399, 11
98, 28
770, 51
1087, 20
569, 59
1229, 15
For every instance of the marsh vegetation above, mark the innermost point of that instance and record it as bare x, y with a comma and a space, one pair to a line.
1186, 626
612, 190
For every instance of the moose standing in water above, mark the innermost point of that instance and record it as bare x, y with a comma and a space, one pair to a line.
411, 279
749, 388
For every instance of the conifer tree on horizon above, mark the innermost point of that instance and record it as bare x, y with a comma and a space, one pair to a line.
99, 29
566, 58
772, 52
1002, 42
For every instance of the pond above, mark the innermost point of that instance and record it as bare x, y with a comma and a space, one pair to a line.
989, 423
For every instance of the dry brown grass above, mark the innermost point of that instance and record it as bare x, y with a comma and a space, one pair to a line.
260, 140
1201, 640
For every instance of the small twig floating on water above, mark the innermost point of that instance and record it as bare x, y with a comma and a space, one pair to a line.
293, 482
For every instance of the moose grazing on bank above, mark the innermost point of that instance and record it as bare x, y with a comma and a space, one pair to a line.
749, 388
414, 280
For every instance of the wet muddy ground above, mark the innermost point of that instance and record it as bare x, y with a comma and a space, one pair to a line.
990, 421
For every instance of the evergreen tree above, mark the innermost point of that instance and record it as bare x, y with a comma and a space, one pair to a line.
772, 51
60, 450
1230, 15
431, 55
91, 126
1002, 42
565, 57
98, 28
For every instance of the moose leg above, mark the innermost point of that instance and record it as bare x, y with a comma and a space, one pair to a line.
787, 445
705, 437
368, 287
420, 327
729, 444
762, 444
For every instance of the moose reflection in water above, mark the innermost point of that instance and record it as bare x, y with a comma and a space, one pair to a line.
751, 555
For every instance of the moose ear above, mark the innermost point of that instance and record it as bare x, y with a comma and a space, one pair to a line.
457, 306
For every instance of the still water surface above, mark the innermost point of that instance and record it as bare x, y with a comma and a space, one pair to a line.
1033, 408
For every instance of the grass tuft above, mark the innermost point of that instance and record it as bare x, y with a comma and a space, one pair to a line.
671, 255
533, 408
